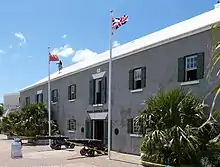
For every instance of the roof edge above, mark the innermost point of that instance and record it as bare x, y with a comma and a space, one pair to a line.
172, 39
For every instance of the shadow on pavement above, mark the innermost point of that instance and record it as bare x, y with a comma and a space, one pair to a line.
118, 160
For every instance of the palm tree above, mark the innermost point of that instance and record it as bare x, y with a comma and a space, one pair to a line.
214, 61
170, 124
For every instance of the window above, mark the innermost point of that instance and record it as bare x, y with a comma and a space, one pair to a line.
72, 92
98, 90
72, 124
27, 100
39, 98
191, 68
133, 127
54, 95
137, 78
136, 127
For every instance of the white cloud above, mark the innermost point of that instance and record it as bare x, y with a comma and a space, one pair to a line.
63, 51
115, 44
64, 36
82, 55
21, 37
2, 52
10, 46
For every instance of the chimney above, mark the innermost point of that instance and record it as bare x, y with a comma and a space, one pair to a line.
217, 5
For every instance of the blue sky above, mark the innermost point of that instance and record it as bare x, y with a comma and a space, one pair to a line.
75, 29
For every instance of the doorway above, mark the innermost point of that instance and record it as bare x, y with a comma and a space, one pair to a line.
99, 129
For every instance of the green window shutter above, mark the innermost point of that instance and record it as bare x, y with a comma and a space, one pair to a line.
91, 91
181, 69
74, 97
143, 77
131, 79
104, 90
52, 95
88, 128
69, 92
200, 65
68, 124
57, 93
130, 126
142, 129
42, 98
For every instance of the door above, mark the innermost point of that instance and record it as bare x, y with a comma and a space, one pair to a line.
99, 130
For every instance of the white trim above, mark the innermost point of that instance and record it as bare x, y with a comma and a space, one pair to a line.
136, 90
39, 92
71, 100
98, 75
71, 131
214, 18
189, 83
98, 115
135, 135
54, 103
97, 105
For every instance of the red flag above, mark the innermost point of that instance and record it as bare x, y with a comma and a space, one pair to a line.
53, 57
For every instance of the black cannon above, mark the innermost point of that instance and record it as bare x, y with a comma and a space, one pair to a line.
90, 146
56, 141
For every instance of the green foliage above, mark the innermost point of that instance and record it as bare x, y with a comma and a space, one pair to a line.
31, 120
171, 122
214, 61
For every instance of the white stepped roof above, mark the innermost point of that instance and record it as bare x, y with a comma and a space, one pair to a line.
183, 29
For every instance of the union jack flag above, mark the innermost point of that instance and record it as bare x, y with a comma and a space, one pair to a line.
118, 22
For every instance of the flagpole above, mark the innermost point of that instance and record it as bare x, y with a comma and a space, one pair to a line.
109, 88
49, 110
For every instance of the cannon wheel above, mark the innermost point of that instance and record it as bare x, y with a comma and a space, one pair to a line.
52, 146
91, 153
83, 151
72, 145
57, 147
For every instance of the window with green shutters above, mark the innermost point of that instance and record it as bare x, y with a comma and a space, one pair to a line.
39, 98
191, 67
72, 124
98, 91
137, 78
27, 100
72, 92
54, 95
133, 126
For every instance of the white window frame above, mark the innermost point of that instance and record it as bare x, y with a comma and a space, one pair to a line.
55, 95
137, 76
71, 125
190, 68
136, 128
72, 90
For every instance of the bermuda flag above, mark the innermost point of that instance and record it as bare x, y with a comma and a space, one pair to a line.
53, 57
118, 22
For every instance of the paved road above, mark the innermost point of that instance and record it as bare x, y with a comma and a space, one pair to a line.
43, 156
